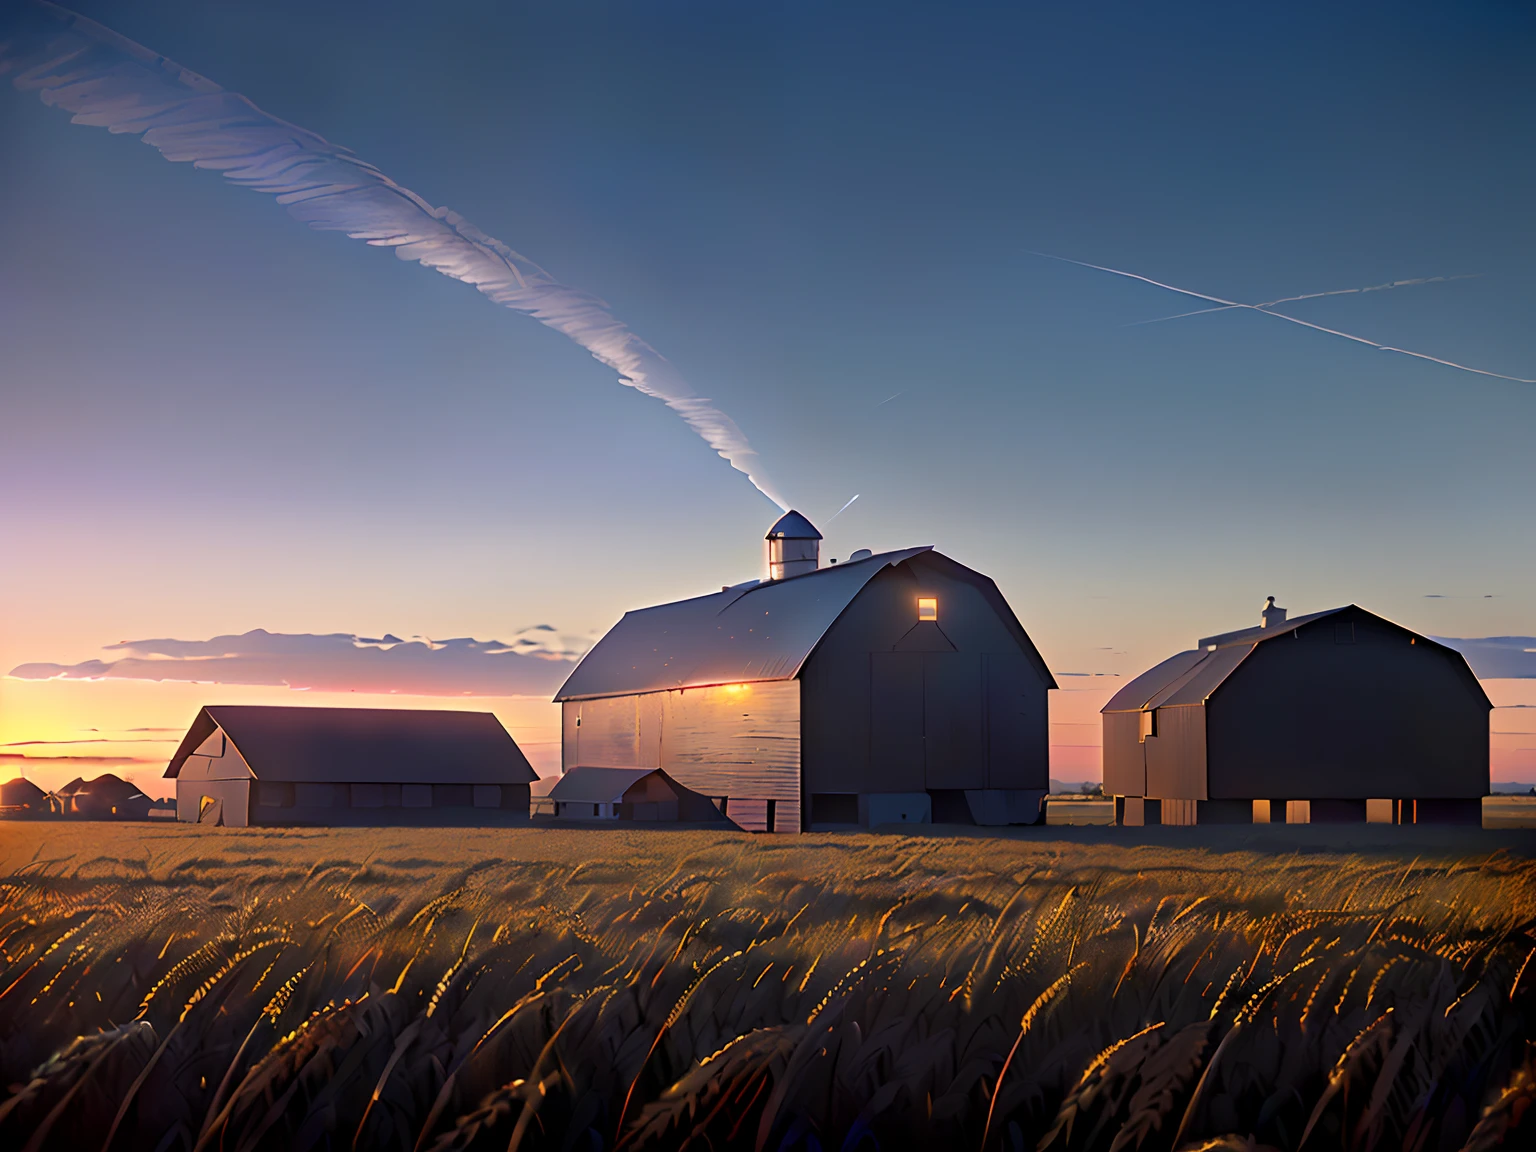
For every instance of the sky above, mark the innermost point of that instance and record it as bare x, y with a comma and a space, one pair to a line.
216, 421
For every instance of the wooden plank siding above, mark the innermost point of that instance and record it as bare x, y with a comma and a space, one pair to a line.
1176, 755
739, 741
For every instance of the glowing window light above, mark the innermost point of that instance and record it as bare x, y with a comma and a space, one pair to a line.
927, 608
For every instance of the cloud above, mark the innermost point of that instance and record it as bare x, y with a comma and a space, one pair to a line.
107, 81
1497, 657
338, 662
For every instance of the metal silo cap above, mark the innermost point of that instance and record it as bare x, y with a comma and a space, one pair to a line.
793, 526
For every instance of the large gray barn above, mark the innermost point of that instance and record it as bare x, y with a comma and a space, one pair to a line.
1337, 716
240, 765
893, 687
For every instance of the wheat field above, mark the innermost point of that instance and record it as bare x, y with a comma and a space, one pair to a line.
182, 988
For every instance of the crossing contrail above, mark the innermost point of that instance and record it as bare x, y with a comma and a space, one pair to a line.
843, 509
1269, 311
1314, 296
108, 81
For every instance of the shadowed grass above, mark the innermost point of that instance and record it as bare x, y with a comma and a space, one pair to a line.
181, 988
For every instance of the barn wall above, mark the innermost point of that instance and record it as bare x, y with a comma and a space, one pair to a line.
1125, 763
236, 795
217, 771
740, 741
215, 759
894, 705
1348, 709
1176, 755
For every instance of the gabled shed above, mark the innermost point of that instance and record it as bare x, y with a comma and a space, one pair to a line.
629, 794
348, 766
1311, 719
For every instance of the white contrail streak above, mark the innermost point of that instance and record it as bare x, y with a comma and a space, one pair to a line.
843, 509
1267, 311
108, 81
1314, 296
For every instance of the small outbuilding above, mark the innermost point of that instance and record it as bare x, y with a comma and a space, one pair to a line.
896, 687
1336, 716
107, 797
629, 794
20, 799
243, 765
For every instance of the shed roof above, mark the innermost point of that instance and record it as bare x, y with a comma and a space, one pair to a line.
363, 745
754, 631
583, 785
1191, 677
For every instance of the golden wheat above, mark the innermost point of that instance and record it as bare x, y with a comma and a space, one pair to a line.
408, 989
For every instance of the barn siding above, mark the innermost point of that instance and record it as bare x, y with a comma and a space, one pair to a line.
1125, 764
1176, 755
220, 773
1311, 717
740, 741
893, 707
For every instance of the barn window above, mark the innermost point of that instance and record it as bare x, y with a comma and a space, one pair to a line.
1148, 723
927, 608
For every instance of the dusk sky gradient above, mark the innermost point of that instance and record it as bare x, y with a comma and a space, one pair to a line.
214, 420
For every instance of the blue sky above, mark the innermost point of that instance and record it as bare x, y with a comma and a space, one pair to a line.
216, 420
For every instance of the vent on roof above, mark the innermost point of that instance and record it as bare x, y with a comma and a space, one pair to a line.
860, 554
1273, 614
794, 547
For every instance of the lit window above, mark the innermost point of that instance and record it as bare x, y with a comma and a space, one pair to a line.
927, 608
1148, 724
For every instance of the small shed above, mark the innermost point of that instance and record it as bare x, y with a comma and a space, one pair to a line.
22, 799
242, 765
629, 794
896, 687
107, 797
1336, 716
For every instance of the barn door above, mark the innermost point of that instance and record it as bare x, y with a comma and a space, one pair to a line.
896, 721
1017, 751
955, 753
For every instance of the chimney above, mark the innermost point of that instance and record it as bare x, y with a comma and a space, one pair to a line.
794, 547
1274, 615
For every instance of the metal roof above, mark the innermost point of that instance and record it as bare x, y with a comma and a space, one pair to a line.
597, 785
755, 631
793, 526
1191, 677
363, 745
1134, 696
1260, 632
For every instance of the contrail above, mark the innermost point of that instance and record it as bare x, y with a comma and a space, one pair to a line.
1282, 316
1314, 296
843, 509
108, 81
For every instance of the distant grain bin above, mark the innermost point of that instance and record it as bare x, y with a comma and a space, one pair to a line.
243, 765
1338, 716
897, 687
107, 797
21, 799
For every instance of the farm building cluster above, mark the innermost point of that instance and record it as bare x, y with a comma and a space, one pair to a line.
892, 688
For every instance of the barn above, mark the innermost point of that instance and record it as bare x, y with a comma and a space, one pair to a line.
894, 687
1333, 717
242, 765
